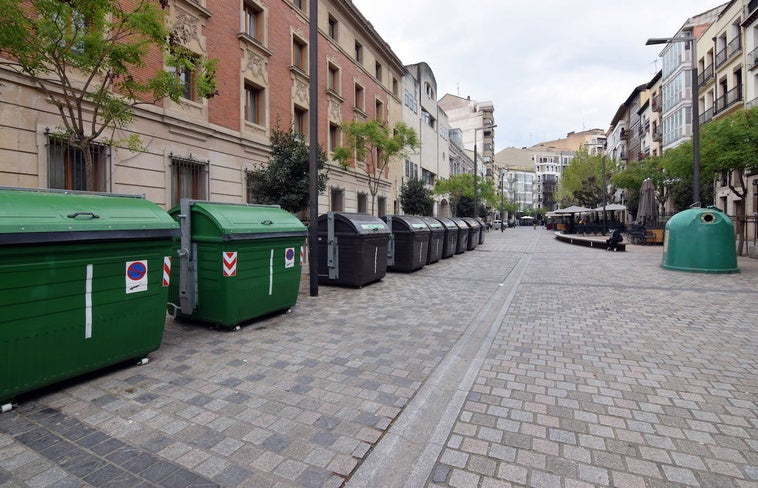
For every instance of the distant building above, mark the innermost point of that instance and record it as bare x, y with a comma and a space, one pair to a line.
421, 112
471, 117
516, 178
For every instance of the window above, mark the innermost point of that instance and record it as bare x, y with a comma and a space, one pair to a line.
189, 179
300, 4
254, 21
381, 206
299, 54
333, 79
411, 169
378, 71
394, 86
187, 80
337, 200
334, 136
333, 28
380, 111
362, 203
300, 123
358, 52
66, 168
254, 104
359, 98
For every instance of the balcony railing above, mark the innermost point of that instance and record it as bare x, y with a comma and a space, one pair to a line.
656, 104
657, 134
720, 57
705, 76
752, 58
734, 46
728, 99
706, 116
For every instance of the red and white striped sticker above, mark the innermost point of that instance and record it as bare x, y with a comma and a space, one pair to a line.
302, 256
230, 263
166, 270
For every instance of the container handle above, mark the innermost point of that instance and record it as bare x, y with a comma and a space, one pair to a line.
267, 222
91, 215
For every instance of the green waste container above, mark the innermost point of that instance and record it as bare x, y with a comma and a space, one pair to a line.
700, 240
236, 261
82, 284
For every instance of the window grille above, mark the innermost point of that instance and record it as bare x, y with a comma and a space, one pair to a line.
189, 179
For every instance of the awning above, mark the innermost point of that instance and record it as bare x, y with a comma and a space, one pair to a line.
611, 207
571, 210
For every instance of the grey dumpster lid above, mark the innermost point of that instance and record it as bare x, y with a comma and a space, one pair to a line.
472, 222
434, 224
448, 223
357, 223
410, 223
29, 216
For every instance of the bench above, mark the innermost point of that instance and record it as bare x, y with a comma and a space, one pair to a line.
583, 241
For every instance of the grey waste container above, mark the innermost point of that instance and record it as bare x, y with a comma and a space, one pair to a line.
352, 248
436, 239
464, 230
482, 228
450, 239
473, 237
409, 242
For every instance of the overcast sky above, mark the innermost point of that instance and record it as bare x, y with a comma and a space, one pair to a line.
549, 66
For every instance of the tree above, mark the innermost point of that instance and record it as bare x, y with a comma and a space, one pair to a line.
285, 180
457, 187
416, 198
583, 179
85, 57
375, 144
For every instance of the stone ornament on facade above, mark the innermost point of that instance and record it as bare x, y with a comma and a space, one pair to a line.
187, 27
300, 92
255, 66
335, 110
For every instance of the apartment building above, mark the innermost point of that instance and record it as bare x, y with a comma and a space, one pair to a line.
727, 83
471, 117
517, 180
676, 76
431, 160
204, 148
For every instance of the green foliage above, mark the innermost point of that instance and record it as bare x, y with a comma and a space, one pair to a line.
582, 180
416, 198
376, 144
460, 190
285, 180
83, 56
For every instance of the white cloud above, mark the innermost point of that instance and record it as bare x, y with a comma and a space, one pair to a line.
549, 66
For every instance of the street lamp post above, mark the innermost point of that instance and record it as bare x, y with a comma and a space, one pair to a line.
477, 129
695, 110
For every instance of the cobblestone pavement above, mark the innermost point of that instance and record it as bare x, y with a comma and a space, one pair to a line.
526, 362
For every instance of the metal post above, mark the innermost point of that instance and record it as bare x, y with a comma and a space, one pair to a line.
314, 147
695, 127
605, 197
475, 175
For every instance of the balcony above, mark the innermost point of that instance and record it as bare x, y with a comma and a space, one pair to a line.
752, 58
728, 99
752, 6
705, 76
657, 134
706, 116
624, 134
734, 46
720, 57
656, 103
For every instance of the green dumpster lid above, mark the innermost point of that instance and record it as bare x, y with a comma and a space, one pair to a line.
230, 221
38, 216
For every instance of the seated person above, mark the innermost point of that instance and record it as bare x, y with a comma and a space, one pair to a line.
613, 241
